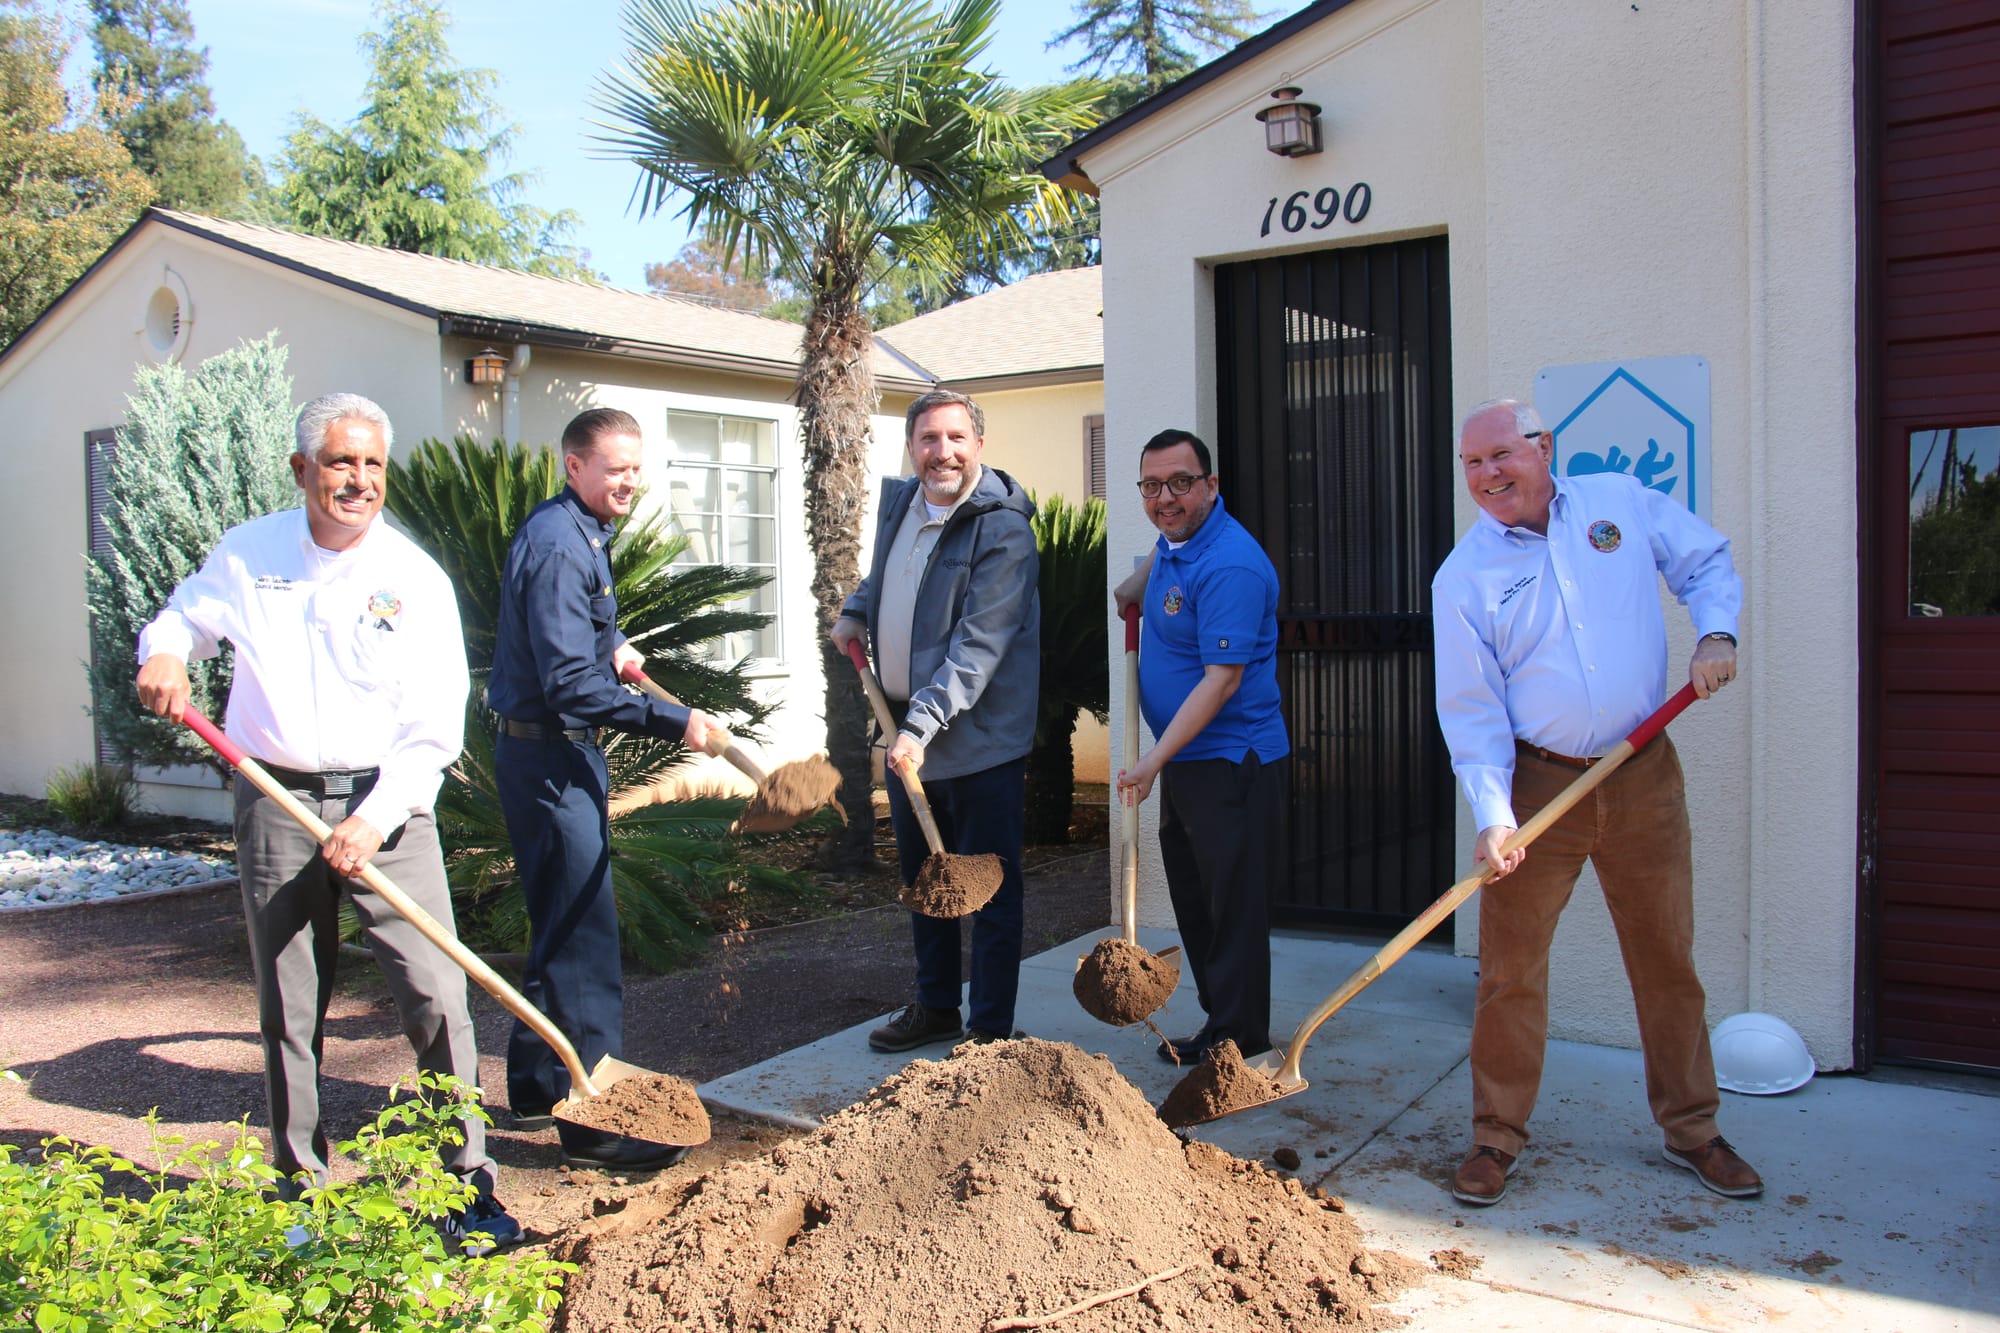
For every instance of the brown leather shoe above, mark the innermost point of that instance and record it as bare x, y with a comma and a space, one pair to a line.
1482, 1177
1719, 1168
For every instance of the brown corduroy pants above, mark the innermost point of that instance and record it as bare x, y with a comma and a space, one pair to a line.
1634, 829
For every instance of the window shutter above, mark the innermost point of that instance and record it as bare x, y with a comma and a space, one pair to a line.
1093, 440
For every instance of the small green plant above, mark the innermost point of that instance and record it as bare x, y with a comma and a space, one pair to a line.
93, 795
92, 1243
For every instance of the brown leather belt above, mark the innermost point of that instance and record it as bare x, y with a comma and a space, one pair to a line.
1566, 760
538, 731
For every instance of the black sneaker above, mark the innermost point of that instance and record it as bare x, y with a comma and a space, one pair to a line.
481, 1229
917, 1025
529, 1122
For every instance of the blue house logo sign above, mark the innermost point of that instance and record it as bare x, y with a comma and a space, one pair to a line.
1646, 419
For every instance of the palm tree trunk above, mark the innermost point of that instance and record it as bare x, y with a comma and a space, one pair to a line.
835, 396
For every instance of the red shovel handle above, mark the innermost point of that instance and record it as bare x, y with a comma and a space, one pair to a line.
208, 731
1643, 734
1131, 614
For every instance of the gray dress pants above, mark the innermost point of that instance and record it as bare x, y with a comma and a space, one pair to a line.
291, 904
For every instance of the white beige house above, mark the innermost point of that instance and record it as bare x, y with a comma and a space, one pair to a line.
710, 387
1746, 249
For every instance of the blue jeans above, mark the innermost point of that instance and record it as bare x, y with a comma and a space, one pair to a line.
980, 812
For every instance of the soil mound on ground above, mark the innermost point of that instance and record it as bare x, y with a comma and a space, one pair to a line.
1010, 1181
949, 887
1121, 983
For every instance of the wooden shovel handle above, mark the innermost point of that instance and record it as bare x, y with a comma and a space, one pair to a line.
1129, 810
920, 805
385, 888
720, 744
1406, 939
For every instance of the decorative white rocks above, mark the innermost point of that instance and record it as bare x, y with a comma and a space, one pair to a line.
39, 868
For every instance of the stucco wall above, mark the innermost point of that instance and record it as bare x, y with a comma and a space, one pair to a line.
1615, 182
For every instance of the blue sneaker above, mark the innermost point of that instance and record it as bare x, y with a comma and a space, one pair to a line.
482, 1228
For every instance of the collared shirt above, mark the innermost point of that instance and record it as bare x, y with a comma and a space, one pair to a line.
344, 659
909, 556
1560, 640
558, 626
1213, 600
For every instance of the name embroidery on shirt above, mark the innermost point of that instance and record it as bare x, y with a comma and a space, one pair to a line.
1173, 602
1604, 535
272, 583
1513, 590
383, 608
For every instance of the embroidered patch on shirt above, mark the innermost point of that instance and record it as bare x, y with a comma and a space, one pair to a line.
1514, 589
384, 607
1222, 643
1173, 603
1604, 535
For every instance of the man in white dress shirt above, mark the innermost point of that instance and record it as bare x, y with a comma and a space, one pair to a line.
1551, 647
349, 687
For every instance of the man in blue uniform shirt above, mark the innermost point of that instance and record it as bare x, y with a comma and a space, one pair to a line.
1551, 648
556, 655
1208, 685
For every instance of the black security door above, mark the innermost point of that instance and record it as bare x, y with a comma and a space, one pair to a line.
1334, 447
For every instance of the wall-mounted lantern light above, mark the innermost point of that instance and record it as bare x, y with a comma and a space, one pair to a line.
489, 367
1291, 127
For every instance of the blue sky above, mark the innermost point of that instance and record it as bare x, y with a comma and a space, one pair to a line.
270, 61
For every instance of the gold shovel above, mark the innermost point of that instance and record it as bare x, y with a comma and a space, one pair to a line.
690, 1129
1283, 1077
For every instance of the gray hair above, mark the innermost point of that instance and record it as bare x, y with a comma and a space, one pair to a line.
318, 417
1526, 419
935, 399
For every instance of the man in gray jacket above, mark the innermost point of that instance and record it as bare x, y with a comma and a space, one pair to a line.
951, 606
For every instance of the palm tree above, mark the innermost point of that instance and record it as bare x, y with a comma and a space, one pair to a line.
1075, 677
812, 135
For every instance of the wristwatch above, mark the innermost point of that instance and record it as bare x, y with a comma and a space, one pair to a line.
1720, 634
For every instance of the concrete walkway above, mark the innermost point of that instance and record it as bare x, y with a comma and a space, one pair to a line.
1881, 1209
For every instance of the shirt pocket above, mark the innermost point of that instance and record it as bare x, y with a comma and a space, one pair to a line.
603, 610
365, 637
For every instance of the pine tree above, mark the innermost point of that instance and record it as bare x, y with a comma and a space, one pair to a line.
1157, 40
415, 170
67, 188
153, 85
198, 454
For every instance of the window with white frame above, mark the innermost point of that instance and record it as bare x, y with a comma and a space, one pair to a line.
722, 495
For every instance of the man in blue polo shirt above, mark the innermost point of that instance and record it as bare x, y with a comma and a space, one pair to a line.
1208, 685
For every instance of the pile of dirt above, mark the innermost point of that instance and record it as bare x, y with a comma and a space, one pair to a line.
657, 1108
1009, 1182
792, 792
949, 886
1121, 983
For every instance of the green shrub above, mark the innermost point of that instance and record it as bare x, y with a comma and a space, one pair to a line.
1069, 540
93, 795
92, 1243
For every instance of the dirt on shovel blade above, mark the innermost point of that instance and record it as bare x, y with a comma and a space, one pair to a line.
1121, 983
655, 1107
951, 886
1220, 1085
791, 793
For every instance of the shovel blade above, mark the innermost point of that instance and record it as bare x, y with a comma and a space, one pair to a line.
1269, 1067
687, 1131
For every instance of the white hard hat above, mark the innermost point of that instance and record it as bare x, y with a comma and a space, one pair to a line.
1759, 1053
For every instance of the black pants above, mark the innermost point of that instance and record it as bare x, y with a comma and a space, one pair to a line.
1222, 834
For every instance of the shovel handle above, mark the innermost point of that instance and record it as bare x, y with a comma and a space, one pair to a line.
1407, 938
920, 804
1129, 810
385, 888
720, 744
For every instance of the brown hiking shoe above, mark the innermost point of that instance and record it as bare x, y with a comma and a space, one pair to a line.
1482, 1177
1719, 1168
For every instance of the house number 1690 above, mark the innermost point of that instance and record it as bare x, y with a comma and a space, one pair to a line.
1318, 209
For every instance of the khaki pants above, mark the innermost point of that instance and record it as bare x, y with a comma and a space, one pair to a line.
291, 903
1634, 829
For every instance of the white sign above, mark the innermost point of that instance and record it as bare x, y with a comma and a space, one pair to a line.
1647, 419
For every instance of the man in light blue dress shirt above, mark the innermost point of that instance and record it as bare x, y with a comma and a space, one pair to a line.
1551, 647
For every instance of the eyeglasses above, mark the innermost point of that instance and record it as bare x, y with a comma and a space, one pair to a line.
1181, 485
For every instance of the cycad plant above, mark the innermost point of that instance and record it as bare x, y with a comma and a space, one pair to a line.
463, 502
1075, 674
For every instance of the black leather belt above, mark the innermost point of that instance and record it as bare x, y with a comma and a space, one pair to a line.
1566, 760
541, 731
324, 786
